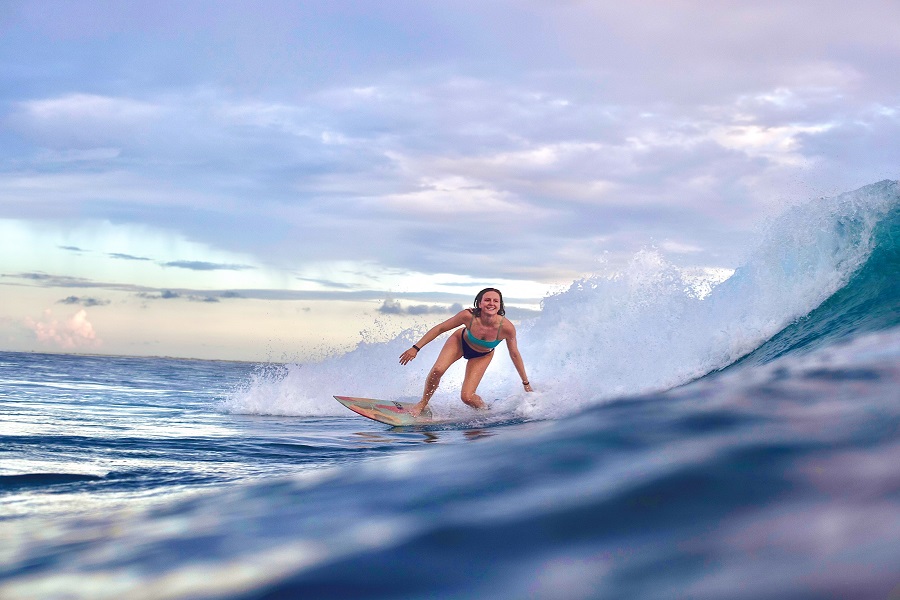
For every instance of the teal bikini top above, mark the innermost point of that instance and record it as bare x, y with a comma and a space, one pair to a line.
481, 342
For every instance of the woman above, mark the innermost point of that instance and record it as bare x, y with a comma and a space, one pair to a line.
484, 328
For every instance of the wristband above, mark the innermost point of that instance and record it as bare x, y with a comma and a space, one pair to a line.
417, 348
525, 383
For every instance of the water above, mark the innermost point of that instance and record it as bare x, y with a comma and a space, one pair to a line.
738, 442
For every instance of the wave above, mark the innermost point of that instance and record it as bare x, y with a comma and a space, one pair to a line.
42, 480
823, 270
647, 329
870, 300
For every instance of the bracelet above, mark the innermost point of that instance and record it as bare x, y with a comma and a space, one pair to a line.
525, 383
417, 348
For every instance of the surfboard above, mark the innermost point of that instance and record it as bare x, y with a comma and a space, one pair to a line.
389, 412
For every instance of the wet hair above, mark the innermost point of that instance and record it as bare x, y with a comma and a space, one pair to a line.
477, 310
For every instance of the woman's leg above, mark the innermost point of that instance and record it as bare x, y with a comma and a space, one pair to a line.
450, 353
475, 369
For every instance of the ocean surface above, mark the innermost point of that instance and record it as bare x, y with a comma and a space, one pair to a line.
688, 438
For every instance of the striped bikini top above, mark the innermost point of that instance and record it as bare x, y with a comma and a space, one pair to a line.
481, 342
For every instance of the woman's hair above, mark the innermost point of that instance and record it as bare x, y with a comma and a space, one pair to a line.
477, 310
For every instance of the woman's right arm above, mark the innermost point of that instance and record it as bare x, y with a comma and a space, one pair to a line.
461, 318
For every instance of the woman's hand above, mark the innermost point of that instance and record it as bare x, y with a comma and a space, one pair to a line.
408, 356
527, 387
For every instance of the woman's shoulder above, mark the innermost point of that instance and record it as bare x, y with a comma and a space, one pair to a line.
463, 316
460, 318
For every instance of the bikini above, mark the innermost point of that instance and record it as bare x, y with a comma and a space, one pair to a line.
470, 352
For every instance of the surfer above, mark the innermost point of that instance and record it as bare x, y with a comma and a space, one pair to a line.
478, 331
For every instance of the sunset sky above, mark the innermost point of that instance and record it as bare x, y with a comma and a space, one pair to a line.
281, 180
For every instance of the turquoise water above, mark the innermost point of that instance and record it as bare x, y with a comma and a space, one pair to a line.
741, 443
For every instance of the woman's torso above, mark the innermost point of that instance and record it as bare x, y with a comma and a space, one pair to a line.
487, 331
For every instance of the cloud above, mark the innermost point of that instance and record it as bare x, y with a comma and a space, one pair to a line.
209, 298
48, 280
198, 265
394, 307
449, 197
486, 139
162, 295
76, 333
88, 121
78, 155
91, 108
120, 256
327, 283
517, 176
86, 302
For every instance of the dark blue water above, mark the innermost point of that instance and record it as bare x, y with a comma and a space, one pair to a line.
774, 475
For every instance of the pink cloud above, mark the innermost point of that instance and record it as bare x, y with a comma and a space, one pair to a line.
76, 332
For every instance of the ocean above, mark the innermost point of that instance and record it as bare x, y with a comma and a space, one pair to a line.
688, 438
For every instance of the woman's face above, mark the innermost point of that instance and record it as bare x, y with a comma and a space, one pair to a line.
490, 303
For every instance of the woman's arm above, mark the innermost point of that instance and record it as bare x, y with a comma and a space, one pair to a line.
461, 318
515, 355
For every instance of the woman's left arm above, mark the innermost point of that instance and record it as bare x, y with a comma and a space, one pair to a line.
515, 355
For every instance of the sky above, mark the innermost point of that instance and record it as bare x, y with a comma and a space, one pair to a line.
283, 180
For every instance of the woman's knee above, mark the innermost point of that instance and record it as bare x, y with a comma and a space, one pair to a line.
471, 398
